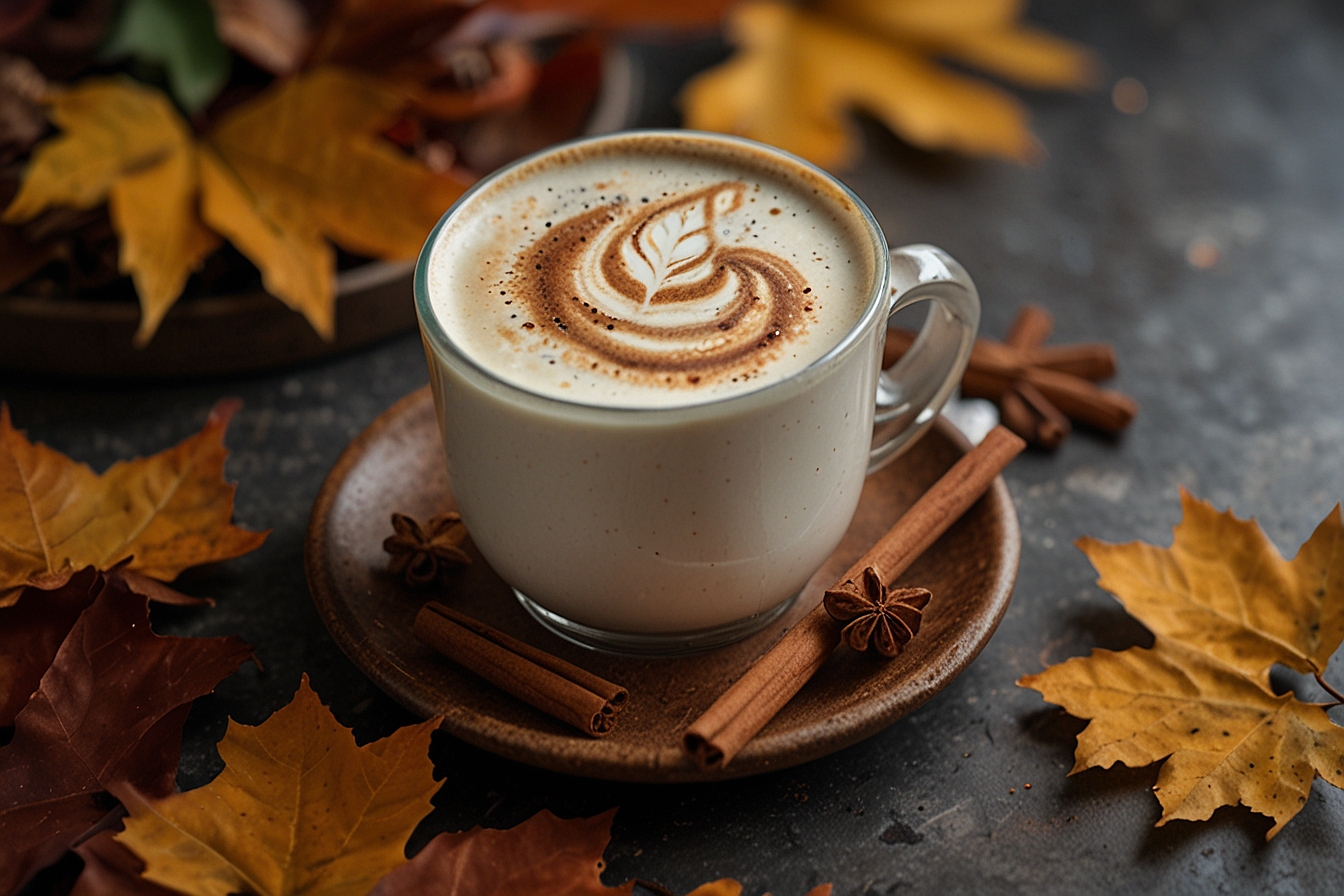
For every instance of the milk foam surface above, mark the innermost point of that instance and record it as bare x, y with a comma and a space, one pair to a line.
651, 271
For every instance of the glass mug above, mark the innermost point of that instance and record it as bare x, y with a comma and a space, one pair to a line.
668, 530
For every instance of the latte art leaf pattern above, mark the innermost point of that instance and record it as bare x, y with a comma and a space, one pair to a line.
647, 290
677, 242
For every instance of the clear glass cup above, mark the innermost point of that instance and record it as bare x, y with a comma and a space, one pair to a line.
668, 530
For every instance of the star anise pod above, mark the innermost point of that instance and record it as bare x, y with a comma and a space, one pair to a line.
423, 554
882, 618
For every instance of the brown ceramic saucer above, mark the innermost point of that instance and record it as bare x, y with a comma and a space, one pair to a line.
397, 465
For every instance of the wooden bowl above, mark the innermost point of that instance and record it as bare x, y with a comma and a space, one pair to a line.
249, 332
201, 337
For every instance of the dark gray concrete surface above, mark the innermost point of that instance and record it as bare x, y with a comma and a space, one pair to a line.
1237, 369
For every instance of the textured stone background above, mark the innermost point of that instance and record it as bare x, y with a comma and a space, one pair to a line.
1238, 372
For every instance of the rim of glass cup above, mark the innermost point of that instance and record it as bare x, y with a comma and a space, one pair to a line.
437, 338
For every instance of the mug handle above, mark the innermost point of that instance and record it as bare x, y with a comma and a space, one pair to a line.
914, 390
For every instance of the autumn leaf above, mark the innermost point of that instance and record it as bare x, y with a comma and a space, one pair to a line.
1225, 740
1224, 589
297, 265
298, 809
279, 175
31, 632
125, 144
981, 33
272, 33
302, 162
377, 36
544, 854
799, 70
165, 513
722, 887
1224, 607
110, 869
626, 13
730, 887
108, 713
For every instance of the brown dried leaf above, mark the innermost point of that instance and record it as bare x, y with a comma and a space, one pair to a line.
272, 33
544, 854
31, 631
17, 15
626, 13
110, 869
377, 36
299, 808
108, 713
21, 119
166, 513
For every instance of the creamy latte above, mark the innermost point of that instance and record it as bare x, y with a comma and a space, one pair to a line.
646, 271
654, 359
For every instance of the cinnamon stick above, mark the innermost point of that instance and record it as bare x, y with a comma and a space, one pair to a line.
1023, 408
1031, 328
541, 680
1019, 416
1085, 402
1090, 360
994, 367
740, 712
1051, 427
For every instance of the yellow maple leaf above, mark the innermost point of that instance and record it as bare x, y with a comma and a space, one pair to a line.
297, 264
298, 808
124, 144
303, 161
982, 33
1224, 607
1225, 739
166, 512
1223, 588
799, 70
280, 175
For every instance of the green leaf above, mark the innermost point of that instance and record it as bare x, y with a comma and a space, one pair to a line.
180, 36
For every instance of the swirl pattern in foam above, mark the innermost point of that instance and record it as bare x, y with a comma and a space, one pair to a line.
651, 271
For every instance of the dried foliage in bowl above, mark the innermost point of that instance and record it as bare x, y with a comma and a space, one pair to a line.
153, 150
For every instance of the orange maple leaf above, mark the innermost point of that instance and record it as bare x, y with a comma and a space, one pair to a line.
159, 515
